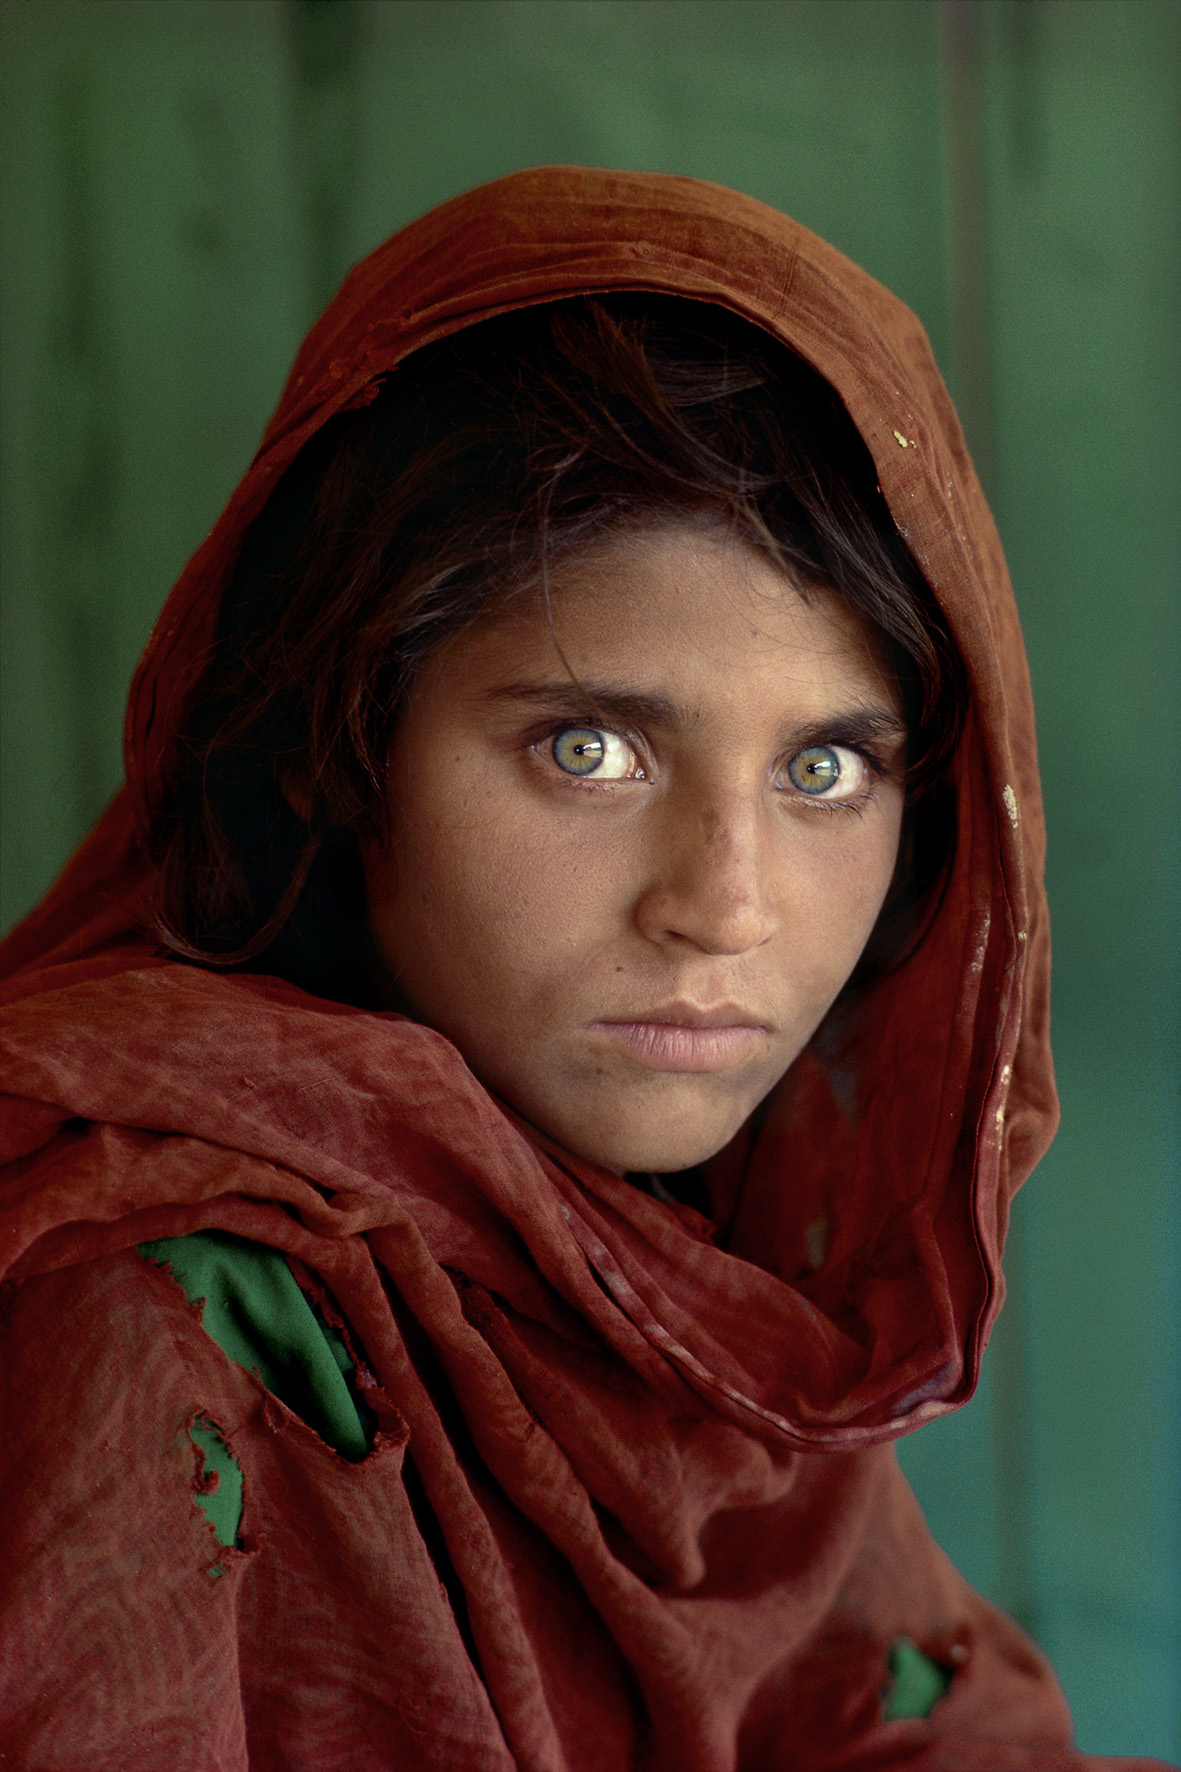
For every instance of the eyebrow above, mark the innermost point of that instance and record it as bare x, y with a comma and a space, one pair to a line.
858, 723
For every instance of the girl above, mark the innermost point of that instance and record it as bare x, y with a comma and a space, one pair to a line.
516, 1103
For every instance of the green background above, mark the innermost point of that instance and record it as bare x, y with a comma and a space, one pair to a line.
185, 181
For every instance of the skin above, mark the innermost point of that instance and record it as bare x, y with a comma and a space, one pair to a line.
562, 931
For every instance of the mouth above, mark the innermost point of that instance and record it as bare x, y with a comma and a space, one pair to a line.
682, 1037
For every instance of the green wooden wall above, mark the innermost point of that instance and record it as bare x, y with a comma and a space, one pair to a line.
184, 183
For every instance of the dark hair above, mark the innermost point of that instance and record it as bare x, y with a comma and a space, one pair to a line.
483, 463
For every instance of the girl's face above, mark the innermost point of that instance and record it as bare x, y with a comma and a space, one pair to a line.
630, 913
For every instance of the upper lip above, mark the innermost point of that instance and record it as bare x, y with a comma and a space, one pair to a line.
690, 1015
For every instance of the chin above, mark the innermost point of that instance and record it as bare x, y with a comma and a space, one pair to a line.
649, 1153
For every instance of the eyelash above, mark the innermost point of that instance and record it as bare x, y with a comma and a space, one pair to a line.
878, 770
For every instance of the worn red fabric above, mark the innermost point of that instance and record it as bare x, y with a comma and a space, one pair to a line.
657, 1466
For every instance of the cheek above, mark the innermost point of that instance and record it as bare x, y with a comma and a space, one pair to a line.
843, 884
474, 901
865, 880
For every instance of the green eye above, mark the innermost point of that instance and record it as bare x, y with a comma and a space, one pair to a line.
818, 769
579, 750
583, 750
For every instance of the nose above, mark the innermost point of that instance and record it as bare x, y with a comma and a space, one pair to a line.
711, 881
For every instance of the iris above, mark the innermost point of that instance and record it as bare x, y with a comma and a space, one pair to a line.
815, 770
579, 750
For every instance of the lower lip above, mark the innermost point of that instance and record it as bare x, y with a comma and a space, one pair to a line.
667, 1046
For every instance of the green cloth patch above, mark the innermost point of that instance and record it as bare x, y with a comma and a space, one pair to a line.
221, 1502
917, 1682
258, 1316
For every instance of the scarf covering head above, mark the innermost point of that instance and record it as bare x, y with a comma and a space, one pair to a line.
653, 1470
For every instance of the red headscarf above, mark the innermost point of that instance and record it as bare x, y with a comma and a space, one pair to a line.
659, 1466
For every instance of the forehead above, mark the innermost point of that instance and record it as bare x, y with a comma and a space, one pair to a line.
685, 611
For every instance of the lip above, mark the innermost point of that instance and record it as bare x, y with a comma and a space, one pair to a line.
683, 1037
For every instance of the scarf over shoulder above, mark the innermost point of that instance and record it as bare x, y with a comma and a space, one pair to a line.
632, 1501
